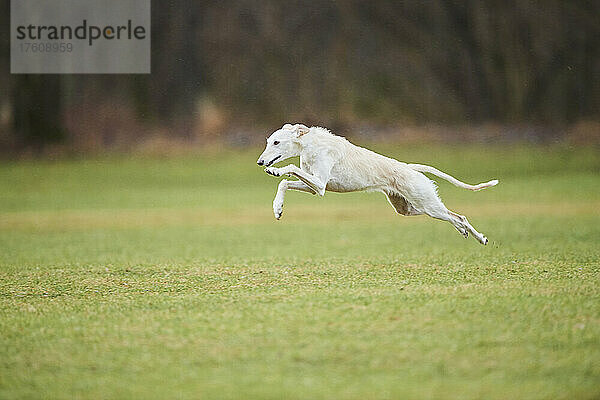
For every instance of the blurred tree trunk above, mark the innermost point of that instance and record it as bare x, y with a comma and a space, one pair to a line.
37, 111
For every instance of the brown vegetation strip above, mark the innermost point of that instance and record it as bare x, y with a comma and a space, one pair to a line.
90, 219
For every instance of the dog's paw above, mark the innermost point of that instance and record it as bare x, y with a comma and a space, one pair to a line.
278, 211
273, 171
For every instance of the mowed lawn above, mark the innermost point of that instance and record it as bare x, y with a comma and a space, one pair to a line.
149, 277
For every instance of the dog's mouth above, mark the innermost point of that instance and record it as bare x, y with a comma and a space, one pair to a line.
273, 160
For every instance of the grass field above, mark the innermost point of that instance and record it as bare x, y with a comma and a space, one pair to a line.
162, 278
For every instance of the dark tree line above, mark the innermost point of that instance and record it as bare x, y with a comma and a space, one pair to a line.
443, 61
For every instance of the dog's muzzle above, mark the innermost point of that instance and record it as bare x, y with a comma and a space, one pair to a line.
273, 160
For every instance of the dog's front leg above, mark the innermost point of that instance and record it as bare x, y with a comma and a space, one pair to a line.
284, 185
311, 181
279, 197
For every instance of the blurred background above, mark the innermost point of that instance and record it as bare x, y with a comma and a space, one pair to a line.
139, 254
227, 73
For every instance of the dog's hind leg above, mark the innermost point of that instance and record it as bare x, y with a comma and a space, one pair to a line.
425, 199
445, 215
479, 236
431, 204
458, 221
284, 185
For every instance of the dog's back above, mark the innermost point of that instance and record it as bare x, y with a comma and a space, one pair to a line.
357, 168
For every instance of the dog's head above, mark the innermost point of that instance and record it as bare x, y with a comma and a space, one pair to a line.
284, 143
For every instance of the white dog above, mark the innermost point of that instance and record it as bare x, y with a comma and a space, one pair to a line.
330, 162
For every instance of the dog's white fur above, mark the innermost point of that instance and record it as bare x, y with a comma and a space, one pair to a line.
330, 162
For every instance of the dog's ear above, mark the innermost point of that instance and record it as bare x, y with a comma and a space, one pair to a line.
301, 129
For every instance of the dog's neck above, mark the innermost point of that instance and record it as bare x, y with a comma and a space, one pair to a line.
313, 134
315, 140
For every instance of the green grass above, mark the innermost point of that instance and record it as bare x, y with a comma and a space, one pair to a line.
169, 278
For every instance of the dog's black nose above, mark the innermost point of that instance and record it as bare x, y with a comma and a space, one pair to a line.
260, 162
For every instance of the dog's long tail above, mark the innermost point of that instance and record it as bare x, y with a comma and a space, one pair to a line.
451, 179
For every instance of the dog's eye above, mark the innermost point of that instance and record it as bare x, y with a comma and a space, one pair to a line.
275, 143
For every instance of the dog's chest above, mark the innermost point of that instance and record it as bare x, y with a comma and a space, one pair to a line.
338, 180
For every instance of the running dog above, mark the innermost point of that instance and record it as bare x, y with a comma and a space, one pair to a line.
330, 162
